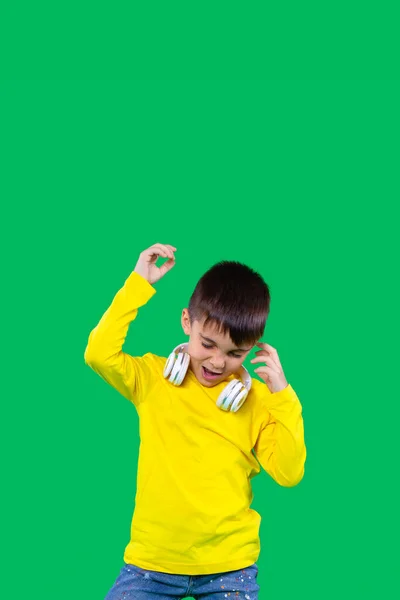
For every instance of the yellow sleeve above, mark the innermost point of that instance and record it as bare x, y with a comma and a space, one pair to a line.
280, 446
127, 374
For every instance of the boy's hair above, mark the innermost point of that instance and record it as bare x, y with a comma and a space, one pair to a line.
235, 298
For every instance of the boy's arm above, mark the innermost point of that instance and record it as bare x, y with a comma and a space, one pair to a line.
130, 376
280, 446
104, 349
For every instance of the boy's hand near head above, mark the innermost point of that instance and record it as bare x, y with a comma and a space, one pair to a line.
146, 264
272, 373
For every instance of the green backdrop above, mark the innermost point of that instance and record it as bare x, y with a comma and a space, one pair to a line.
297, 178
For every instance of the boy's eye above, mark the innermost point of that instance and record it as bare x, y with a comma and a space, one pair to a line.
209, 346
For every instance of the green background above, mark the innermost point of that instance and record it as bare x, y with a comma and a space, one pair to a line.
297, 178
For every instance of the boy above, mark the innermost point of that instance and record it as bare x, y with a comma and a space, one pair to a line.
193, 532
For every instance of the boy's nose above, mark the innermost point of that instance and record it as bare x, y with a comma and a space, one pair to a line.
218, 363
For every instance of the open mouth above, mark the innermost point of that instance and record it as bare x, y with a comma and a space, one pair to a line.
210, 375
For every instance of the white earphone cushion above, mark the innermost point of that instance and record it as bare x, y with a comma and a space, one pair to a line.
239, 400
179, 368
169, 364
231, 394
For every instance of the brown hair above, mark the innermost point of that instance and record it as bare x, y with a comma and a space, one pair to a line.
235, 298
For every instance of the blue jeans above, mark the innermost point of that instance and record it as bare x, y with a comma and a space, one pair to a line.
134, 583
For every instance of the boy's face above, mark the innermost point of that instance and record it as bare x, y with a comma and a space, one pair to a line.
213, 355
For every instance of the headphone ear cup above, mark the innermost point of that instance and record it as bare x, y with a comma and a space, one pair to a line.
169, 364
176, 367
232, 396
239, 400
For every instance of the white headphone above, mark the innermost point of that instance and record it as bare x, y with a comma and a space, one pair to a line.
232, 396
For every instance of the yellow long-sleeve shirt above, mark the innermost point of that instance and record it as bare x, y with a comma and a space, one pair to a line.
192, 511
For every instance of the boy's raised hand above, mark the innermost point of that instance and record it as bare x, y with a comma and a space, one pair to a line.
146, 264
272, 373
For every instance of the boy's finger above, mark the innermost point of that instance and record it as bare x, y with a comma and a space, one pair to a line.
169, 250
266, 347
165, 248
155, 251
270, 350
270, 362
167, 266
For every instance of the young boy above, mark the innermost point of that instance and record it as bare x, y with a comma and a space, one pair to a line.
193, 532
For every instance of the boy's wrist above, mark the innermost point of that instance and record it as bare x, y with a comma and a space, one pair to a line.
141, 274
138, 285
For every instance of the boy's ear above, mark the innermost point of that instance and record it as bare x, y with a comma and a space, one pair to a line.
185, 321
